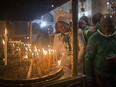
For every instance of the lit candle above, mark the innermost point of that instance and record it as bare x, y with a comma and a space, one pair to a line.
39, 54
32, 56
20, 56
35, 49
45, 59
49, 57
56, 55
5, 31
53, 53
5, 46
26, 55
3, 42
13, 45
30, 69
13, 49
59, 63
26, 48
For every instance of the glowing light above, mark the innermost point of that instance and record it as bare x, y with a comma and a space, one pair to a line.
25, 57
108, 3
52, 5
60, 9
3, 42
59, 62
44, 51
110, 16
35, 49
30, 50
26, 48
5, 31
86, 13
43, 24
39, 50
26, 37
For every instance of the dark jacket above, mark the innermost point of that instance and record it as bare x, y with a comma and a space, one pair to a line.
100, 47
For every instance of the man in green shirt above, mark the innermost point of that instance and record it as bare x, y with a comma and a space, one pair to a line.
101, 72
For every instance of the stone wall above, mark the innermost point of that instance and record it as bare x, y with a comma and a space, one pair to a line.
99, 6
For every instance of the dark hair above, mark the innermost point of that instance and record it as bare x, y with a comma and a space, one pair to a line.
80, 24
107, 24
85, 18
96, 18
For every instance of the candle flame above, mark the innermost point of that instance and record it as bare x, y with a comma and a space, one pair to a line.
32, 54
39, 50
13, 45
5, 31
26, 48
25, 57
48, 46
19, 49
45, 52
30, 50
49, 51
62, 54
59, 62
3, 41
35, 49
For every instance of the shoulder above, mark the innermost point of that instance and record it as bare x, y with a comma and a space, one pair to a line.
56, 36
96, 34
94, 37
80, 30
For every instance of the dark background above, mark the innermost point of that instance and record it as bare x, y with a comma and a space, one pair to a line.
26, 10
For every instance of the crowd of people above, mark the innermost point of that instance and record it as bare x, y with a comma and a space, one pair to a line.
96, 48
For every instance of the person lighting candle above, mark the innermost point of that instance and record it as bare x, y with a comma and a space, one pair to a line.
63, 43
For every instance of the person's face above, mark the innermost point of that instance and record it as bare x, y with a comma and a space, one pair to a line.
62, 27
84, 24
107, 26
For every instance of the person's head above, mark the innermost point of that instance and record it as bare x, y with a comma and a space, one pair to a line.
85, 21
62, 25
107, 24
96, 18
80, 24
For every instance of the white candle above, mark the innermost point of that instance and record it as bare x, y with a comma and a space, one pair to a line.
59, 63
5, 31
49, 57
45, 59
5, 46
30, 69
53, 53
20, 56
56, 55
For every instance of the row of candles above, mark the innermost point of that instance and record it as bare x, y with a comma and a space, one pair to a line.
48, 56
45, 58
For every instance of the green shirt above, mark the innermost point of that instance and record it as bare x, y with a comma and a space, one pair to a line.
98, 49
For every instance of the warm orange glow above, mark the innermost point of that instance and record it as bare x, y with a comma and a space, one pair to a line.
3, 42
59, 62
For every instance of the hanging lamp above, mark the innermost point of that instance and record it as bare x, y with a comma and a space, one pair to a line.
82, 3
